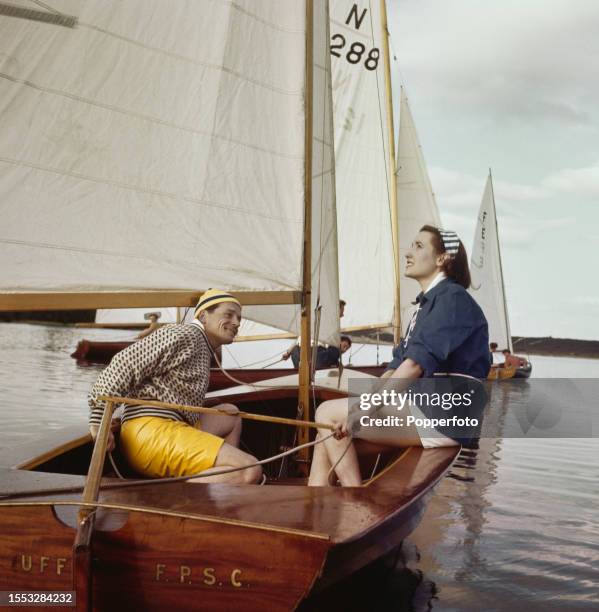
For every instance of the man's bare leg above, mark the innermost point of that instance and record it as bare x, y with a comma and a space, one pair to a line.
230, 456
227, 426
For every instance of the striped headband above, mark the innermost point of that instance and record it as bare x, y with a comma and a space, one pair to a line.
451, 242
212, 297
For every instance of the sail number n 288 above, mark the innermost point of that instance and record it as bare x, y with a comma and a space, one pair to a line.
355, 53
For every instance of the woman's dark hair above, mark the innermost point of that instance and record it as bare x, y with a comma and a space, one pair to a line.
455, 267
346, 339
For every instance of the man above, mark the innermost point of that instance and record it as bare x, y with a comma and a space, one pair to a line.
153, 318
326, 357
172, 365
511, 361
498, 358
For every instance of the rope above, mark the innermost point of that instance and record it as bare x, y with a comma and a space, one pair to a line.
334, 467
114, 467
227, 470
249, 365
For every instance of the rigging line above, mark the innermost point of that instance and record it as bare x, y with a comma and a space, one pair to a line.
249, 365
48, 8
253, 385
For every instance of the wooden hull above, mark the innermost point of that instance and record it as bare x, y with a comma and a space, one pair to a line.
197, 546
89, 352
524, 371
504, 373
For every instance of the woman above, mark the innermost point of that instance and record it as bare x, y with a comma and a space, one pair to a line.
448, 333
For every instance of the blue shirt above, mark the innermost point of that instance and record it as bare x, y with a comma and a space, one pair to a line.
450, 334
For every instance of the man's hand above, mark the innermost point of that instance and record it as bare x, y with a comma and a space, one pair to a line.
94, 429
286, 355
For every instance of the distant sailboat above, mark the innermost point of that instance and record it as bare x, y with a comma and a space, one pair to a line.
488, 287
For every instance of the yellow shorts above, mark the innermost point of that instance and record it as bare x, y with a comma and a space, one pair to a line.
160, 448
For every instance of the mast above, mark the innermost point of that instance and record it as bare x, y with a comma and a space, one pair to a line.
306, 302
391, 177
507, 320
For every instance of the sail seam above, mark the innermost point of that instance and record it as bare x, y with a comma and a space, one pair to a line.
156, 192
189, 60
154, 120
39, 245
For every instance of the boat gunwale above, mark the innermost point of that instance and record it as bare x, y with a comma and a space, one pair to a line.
171, 513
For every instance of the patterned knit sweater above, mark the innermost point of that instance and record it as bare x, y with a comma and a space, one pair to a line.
170, 365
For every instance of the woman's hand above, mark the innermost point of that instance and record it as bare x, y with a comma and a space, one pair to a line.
340, 430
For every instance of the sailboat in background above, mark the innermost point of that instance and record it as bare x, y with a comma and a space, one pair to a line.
162, 149
488, 287
90, 352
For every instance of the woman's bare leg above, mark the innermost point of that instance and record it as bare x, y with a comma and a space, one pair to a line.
331, 451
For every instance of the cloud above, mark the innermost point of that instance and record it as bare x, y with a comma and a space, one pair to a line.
575, 181
459, 196
517, 61
459, 190
586, 300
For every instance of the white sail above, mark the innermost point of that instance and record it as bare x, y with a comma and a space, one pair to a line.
415, 199
485, 269
154, 146
325, 282
366, 277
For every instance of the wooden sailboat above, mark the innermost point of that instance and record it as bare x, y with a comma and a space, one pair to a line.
488, 287
161, 133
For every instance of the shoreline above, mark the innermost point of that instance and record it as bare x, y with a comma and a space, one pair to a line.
556, 347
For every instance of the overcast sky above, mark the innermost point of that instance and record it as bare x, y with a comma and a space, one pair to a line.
514, 86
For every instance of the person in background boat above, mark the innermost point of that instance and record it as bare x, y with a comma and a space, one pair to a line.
448, 333
153, 318
512, 361
172, 365
498, 356
326, 357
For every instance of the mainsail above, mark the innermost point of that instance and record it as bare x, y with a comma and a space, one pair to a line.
486, 271
160, 147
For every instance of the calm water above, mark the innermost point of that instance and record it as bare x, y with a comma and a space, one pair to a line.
515, 526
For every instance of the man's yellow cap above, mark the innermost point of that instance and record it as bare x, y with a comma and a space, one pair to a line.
212, 297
